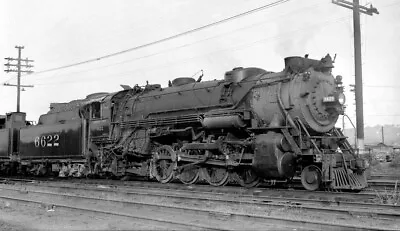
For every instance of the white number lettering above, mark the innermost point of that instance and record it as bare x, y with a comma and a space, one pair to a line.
43, 141
37, 142
56, 138
47, 141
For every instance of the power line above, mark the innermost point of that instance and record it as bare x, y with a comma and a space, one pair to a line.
386, 115
68, 74
276, 3
242, 46
384, 86
181, 46
382, 101
156, 20
2, 84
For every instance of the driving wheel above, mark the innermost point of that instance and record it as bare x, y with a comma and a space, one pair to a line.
247, 177
164, 164
216, 176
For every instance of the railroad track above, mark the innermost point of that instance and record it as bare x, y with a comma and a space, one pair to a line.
374, 184
194, 218
337, 206
126, 195
384, 184
11, 179
384, 177
367, 196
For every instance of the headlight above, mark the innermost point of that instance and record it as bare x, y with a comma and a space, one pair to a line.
341, 98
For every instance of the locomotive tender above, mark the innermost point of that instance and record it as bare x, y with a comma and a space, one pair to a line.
253, 126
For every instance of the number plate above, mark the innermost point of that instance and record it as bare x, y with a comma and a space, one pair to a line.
51, 140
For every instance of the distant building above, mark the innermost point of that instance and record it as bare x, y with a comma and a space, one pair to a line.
396, 150
379, 148
380, 151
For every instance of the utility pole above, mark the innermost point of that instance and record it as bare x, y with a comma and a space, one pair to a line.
383, 137
353, 89
355, 6
9, 65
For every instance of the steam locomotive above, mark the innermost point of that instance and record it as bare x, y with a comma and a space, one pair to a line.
252, 126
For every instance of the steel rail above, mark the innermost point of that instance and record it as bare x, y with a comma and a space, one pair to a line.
388, 184
385, 177
336, 207
234, 216
364, 195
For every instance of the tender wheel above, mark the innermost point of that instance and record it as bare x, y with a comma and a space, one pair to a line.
311, 178
216, 176
164, 164
247, 177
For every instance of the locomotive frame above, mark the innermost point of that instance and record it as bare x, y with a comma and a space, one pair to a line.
253, 126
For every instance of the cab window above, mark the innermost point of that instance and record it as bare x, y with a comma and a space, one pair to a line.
96, 112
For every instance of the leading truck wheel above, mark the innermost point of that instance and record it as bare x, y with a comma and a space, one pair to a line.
311, 178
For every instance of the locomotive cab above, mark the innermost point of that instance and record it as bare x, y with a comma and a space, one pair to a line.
98, 114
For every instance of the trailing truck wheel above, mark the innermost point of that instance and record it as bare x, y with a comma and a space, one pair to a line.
164, 164
311, 178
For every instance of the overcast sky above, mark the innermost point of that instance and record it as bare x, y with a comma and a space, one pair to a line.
61, 32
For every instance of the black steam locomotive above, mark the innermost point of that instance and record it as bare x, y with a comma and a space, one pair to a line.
253, 126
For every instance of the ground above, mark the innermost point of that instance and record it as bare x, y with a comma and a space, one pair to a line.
28, 217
